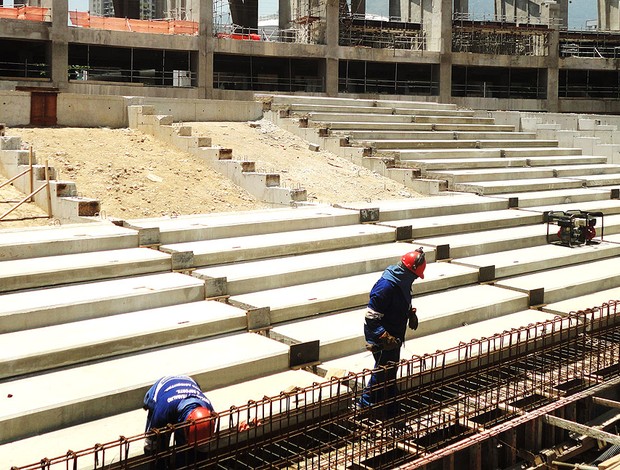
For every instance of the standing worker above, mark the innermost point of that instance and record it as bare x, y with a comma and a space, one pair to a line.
388, 313
174, 400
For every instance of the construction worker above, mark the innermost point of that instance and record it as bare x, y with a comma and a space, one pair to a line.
174, 400
388, 313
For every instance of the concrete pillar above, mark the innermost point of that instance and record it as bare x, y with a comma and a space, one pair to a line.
440, 39
59, 49
551, 11
331, 41
284, 14
394, 10
205, 48
609, 15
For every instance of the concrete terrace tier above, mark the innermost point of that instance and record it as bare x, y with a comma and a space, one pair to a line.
555, 197
78, 238
398, 135
564, 283
305, 300
278, 101
107, 388
228, 250
487, 188
80, 267
131, 423
429, 166
583, 302
453, 144
303, 109
342, 334
56, 305
35, 350
337, 127
166, 230
420, 345
440, 153
253, 276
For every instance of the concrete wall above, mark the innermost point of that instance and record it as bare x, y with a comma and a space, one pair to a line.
77, 110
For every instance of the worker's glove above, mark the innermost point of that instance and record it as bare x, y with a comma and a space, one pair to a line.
413, 319
388, 342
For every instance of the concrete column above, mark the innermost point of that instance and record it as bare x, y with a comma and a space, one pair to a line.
284, 14
205, 48
59, 49
553, 59
440, 39
609, 15
331, 41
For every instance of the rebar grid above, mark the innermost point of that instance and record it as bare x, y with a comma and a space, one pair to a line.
445, 400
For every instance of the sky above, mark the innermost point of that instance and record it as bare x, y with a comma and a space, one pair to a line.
578, 10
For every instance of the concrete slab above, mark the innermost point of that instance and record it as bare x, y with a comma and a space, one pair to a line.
84, 436
471, 222
342, 334
51, 306
279, 100
241, 278
599, 180
305, 300
558, 196
227, 250
565, 283
444, 340
118, 385
606, 206
538, 258
77, 238
454, 144
39, 349
239, 224
480, 163
80, 267
448, 204
407, 126
584, 302
490, 174
497, 187
406, 135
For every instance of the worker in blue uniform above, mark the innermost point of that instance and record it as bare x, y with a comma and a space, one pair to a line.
388, 313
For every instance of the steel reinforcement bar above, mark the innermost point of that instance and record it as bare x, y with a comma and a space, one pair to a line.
445, 401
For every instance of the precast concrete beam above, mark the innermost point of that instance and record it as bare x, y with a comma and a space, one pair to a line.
118, 385
419, 346
585, 302
76, 238
36, 350
253, 276
565, 283
538, 258
276, 101
228, 250
606, 206
56, 305
598, 180
468, 222
488, 188
226, 225
306, 300
80, 267
342, 334
558, 196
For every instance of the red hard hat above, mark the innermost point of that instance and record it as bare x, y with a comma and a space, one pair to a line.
203, 428
415, 261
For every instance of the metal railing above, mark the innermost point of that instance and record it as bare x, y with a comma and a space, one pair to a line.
145, 77
399, 87
24, 69
490, 90
445, 399
231, 81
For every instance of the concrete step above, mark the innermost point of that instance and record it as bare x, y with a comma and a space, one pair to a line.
598, 180
118, 385
131, 423
252, 276
447, 204
301, 110
306, 300
166, 230
342, 334
80, 267
536, 151
428, 154
565, 283
583, 302
284, 100
419, 346
76, 238
538, 258
359, 135
228, 250
462, 223
51, 306
407, 126
463, 245
422, 118
587, 170
498, 187
554, 197
40, 349
450, 144
479, 163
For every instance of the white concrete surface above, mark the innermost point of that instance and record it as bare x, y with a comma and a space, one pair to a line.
558, 196
584, 302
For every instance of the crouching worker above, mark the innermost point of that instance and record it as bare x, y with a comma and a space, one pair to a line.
388, 313
174, 400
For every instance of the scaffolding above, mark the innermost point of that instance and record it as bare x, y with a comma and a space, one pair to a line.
450, 401
359, 31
